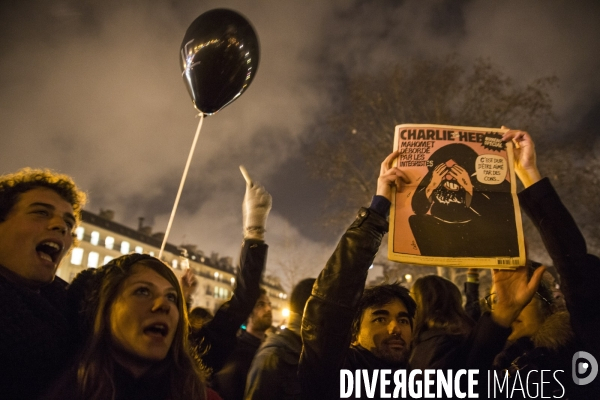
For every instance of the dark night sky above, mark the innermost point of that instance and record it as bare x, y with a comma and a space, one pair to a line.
93, 89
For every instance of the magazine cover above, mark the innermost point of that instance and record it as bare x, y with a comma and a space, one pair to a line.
461, 208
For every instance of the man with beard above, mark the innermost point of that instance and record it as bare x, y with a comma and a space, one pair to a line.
382, 327
346, 327
230, 381
456, 216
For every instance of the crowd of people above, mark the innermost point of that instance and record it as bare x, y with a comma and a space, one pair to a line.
125, 330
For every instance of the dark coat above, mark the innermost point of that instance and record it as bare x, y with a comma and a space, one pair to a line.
329, 312
562, 335
230, 381
153, 385
218, 337
273, 373
34, 338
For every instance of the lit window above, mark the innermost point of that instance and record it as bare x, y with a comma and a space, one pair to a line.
185, 264
107, 259
95, 238
79, 232
124, 247
93, 259
109, 242
174, 263
139, 250
216, 292
221, 293
77, 256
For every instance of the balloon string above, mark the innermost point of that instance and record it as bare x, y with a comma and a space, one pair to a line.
185, 171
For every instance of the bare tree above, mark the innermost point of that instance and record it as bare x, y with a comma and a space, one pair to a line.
292, 263
359, 133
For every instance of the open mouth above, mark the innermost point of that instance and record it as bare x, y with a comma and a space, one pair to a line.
451, 185
49, 250
157, 329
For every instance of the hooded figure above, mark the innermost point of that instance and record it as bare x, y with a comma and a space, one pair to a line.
458, 216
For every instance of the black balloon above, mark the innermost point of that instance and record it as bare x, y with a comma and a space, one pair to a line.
219, 58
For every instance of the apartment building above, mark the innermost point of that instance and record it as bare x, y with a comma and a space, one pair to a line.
101, 239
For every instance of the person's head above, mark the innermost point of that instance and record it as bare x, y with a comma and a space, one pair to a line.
449, 192
300, 295
198, 317
39, 211
262, 317
383, 322
131, 311
439, 305
533, 316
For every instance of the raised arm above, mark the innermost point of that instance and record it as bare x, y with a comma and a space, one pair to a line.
217, 338
579, 271
328, 316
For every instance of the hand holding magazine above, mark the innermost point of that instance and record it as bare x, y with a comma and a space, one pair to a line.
461, 207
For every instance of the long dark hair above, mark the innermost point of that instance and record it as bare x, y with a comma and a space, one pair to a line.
96, 291
439, 305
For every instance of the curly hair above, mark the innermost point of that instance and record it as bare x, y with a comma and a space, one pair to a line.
26, 179
380, 295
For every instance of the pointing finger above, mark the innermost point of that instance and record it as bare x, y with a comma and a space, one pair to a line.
246, 175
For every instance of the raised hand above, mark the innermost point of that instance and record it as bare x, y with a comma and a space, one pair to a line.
462, 178
525, 158
390, 177
189, 284
436, 179
255, 208
514, 291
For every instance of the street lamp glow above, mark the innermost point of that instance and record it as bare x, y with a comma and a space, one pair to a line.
285, 312
408, 277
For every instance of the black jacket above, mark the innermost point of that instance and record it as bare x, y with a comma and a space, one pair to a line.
273, 373
561, 335
329, 312
230, 381
217, 338
34, 337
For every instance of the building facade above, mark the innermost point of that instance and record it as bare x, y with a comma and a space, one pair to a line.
100, 239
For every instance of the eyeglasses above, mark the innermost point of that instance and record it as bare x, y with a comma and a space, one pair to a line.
492, 299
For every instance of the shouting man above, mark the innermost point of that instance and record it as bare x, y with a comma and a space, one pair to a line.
39, 211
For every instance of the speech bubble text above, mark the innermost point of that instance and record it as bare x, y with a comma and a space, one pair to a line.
491, 169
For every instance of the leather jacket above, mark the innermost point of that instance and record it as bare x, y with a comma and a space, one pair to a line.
330, 311
217, 338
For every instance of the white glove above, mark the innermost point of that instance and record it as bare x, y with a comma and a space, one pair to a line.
255, 208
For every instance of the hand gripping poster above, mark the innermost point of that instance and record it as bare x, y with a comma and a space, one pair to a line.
460, 208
